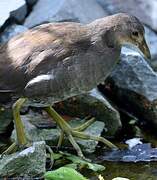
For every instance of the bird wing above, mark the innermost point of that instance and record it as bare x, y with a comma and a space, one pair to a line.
36, 52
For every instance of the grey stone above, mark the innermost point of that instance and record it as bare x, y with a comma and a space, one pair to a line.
151, 38
51, 135
62, 10
27, 163
14, 9
144, 10
133, 86
95, 129
36, 134
93, 104
11, 31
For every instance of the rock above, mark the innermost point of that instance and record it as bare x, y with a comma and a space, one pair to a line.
151, 38
27, 163
133, 142
5, 119
11, 31
31, 2
133, 86
139, 153
34, 134
95, 129
144, 10
92, 104
62, 10
51, 135
12, 9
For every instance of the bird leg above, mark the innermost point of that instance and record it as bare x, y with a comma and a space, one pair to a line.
80, 128
85, 125
61, 137
72, 133
21, 138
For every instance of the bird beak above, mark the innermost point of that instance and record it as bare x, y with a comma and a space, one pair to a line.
144, 49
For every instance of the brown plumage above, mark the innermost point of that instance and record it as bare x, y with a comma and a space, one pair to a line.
71, 52
55, 61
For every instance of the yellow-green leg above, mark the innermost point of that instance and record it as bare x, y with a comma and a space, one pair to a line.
21, 138
75, 132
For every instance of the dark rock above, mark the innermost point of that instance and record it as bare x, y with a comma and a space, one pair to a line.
27, 163
139, 153
133, 86
12, 9
62, 10
144, 10
31, 2
5, 119
94, 105
51, 135
11, 31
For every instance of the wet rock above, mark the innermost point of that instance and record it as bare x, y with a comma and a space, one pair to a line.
11, 31
144, 10
12, 9
62, 10
139, 153
27, 163
133, 85
93, 104
51, 135
133, 142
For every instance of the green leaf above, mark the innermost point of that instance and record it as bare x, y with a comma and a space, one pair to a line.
95, 167
83, 163
57, 156
64, 173
72, 165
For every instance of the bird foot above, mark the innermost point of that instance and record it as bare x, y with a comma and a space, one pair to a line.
72, 133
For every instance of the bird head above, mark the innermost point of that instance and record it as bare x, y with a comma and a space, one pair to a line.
129, 30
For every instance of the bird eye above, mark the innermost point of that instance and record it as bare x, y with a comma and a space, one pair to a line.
135, 33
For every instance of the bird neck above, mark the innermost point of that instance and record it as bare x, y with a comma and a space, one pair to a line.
104, 30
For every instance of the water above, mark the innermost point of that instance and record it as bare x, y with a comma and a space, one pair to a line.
132, 171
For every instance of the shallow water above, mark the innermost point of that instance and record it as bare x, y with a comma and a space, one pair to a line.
132, 171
